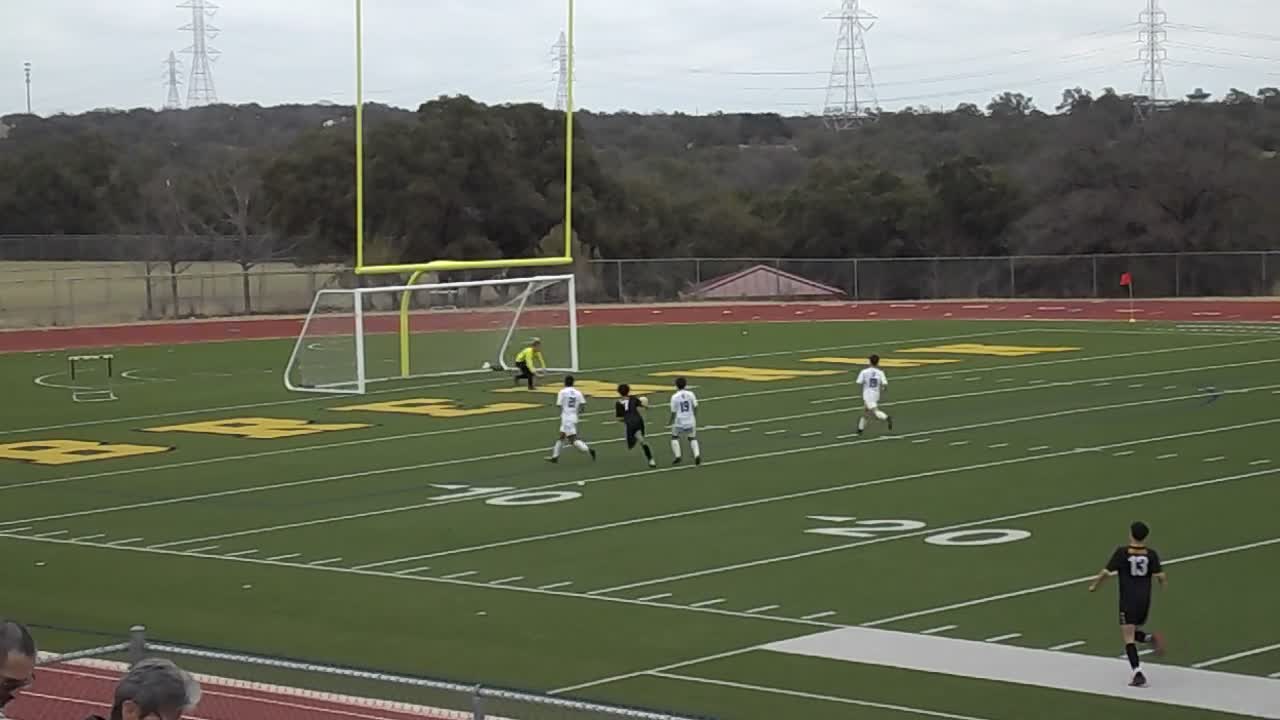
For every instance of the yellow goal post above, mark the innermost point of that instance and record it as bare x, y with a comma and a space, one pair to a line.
455, 265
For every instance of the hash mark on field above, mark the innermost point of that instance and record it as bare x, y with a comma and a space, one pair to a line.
554, 586
1136, 385
735, 430
1002, 638
1038, 448
414, 571
651, 598
280, 558
1170, 387
1167, 456
1236, 656
1037, 382
1123, 453
455, 576
1069, 645
811, 434
1215, 458
243, 553
819, 616
54, 533
997, 446
940, 629
762, 608
1005, 380
776, 432
330, 561
973, 378
504, 581
1260, 462
707, 603
126, 541
959, 443
921, 441
1101, 384
847, 437
86, 538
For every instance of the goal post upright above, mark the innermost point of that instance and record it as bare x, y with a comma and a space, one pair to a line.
566, 258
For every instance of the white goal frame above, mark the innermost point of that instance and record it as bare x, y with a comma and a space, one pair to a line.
359, 326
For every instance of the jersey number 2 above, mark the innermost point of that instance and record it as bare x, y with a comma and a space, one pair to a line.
1138, 565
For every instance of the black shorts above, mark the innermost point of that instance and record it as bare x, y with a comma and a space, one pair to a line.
525, 372
635, 431
1134, 611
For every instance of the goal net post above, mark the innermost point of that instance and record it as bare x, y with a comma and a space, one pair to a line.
356, 337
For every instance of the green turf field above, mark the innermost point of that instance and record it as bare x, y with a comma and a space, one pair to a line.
439, 543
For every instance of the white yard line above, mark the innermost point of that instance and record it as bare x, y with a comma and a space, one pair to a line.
906, 710
931, 531
1068, 645
1236, 656
1002, 638
939, 629
514, 423
796, 495
489, 380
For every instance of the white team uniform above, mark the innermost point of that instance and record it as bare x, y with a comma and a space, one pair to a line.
872, 380
684, 404
570, 401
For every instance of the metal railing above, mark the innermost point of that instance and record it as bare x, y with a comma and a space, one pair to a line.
257, 687
42, 294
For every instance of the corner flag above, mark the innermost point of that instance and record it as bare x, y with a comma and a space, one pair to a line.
1126, 280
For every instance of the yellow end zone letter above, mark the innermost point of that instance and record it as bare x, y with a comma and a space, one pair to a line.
992, 350
258, 428
749, 374
67, 452
435, 407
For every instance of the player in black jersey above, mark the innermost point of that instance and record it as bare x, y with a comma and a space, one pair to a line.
1135, 565
628, 412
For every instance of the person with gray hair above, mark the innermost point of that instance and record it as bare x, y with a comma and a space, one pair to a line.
154, 690
17, 660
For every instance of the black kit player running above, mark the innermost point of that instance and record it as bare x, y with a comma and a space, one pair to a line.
628, 412
1135, 566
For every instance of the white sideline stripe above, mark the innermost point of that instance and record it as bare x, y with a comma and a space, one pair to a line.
707, 603
512, 423
554, 586
1068, 645
278, 558
815, 696
939, 629
1060, 585
931, 531
794, 496
661, 668
659, 596
406, 468
762, 609
504, 581
1089, 674
819, 616
486, 380
1236, 656
1002, 638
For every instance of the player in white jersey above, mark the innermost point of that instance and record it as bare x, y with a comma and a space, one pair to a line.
684, 421
872, 381
571, 401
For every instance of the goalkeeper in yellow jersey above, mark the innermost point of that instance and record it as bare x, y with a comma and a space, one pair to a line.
530, 362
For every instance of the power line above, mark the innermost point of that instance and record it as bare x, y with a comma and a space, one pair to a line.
851, 91
172, 81
200, 86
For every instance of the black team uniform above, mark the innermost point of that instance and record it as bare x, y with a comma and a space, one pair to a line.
628, 411
1135, 566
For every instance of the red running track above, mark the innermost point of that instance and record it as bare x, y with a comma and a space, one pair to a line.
191, 331
76, 691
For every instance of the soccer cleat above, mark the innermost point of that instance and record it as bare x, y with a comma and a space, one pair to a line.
697, 460
890, 421
553, 461
593, 454
1157, 642
677, 461
653, 463
1139, 680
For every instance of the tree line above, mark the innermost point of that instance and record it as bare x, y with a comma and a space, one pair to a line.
459, 179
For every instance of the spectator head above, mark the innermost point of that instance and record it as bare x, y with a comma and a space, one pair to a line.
155, 690
17, 659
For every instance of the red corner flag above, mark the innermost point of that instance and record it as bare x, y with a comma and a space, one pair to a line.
1126, 280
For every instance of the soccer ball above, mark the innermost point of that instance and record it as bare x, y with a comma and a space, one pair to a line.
486, 365
644, 401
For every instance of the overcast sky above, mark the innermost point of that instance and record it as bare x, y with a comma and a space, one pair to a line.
643, 55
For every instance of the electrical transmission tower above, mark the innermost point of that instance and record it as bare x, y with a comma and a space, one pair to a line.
173, 80
1152, 54
200, 88
851, 93
561, 50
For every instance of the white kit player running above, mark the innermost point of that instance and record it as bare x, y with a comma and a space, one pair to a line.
684, 421
872, 381
571, 401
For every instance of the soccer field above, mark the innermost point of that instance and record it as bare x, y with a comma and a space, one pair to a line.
801, 572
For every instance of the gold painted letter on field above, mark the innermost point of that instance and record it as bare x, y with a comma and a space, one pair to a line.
435, 407
67, 452
748, 374
991, 350
257, 428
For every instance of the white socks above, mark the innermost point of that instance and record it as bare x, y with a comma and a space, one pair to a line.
581, 446
555, 451
693, 445
881, 416
675, 449
862, 423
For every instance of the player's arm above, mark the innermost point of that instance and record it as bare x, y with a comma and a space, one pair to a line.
675, 402
1157, 570
1100, 578
1113, 566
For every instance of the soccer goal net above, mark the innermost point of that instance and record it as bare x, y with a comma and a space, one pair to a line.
354, 337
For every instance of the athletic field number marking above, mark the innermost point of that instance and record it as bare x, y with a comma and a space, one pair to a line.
868, 529
534, 498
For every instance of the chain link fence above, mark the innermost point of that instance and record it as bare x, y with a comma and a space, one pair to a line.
63, 293
238, 686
